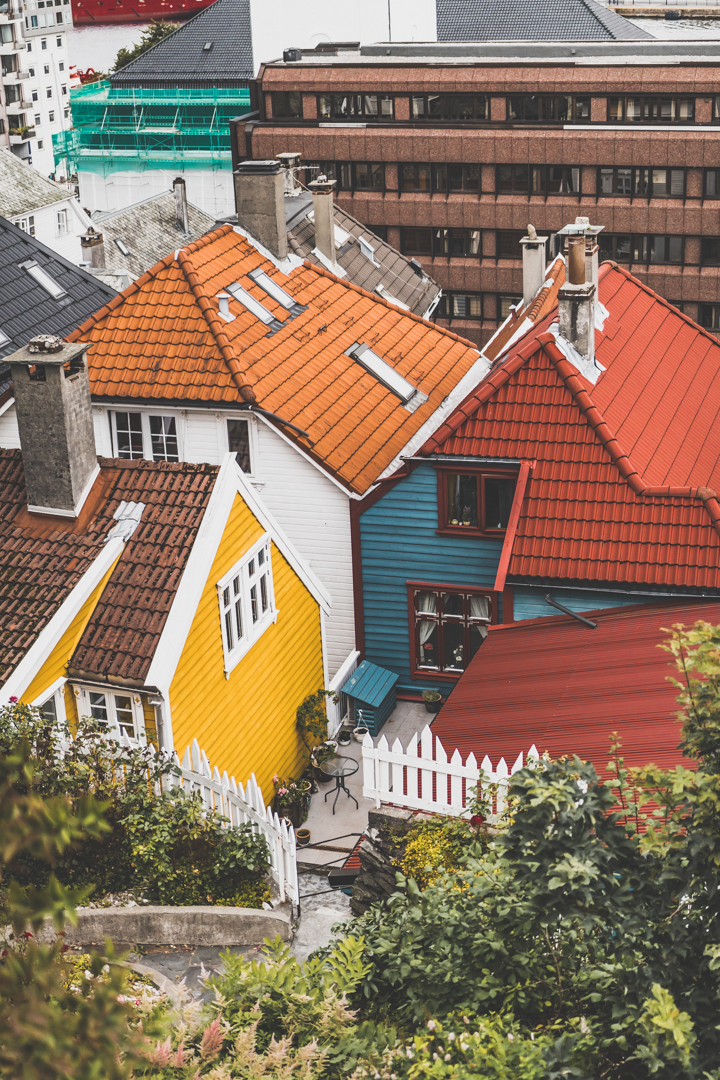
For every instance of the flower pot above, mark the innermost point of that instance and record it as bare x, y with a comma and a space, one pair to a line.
293, 813
433, 706
344, 737
359, 733
303, 837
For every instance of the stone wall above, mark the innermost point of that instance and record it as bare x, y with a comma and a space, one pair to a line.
380, 853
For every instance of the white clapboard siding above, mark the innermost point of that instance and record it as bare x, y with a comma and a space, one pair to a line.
203, 433
9, 434
421, 777
315, 515
336, 710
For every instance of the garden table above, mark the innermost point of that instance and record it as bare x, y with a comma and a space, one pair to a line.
339, 767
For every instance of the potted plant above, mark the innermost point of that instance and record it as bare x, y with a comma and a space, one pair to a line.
344, 736
303, 837
433, 700
322, 753
360, 732
292, 799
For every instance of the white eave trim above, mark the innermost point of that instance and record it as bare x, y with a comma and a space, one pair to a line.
39, 652
8, 405
230, 482
470, 380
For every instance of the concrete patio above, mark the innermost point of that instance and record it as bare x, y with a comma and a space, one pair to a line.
331, 830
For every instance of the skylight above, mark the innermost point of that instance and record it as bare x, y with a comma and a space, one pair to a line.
367, 249
254, 306
43, 278
122, 247
273, 289
3, 338
383, 372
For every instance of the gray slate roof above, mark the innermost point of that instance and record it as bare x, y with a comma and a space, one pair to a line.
532, 20
149, 231
23, 189
402, 280
181, 60
26, 309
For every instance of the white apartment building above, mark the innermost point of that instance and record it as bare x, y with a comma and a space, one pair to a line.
35, 72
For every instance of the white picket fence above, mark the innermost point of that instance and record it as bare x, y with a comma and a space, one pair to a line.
421, 777
242, 806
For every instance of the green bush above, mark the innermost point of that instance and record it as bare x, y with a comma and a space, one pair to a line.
163, 846
436, 846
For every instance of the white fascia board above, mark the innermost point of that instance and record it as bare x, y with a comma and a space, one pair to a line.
230, 482
8, 405
38, 653
281, 540
470, 380
276, 430
48, 692
79, 213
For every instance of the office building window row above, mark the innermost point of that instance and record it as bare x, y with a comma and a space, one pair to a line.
648, 248
350, 175
461, 243
438, 178
475, 305
538, 180
475, 108
642, 183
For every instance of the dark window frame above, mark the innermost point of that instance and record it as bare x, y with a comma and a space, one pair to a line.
418, 671
358, 106
635, 181
711, 310
436, 251
334, 171
277, 95
715, 173
446, 302
529, 188
580, 107
439, 178
706, 260
451, 107
481, 474
517, 234
647, 239
643, 98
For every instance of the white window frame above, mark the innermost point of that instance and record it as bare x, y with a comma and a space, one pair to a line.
233, 651
82, 698
62, 223
145, 426
252, 440
55, 693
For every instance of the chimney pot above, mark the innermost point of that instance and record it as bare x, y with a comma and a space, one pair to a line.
324, 214
290, 162
55, 423
533, 255
181, 207
92, 246
576, 260
260, 203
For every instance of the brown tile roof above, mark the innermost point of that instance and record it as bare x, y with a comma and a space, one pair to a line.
163, 339
45, 558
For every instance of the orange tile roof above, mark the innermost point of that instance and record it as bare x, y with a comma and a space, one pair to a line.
163, 339
597, 507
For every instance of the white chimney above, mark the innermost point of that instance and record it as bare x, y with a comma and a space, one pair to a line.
533, 256
324, 214
290, 163
181, 207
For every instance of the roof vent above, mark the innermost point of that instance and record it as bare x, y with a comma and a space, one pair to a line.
417, 267
291, 56
122, 246
207, 46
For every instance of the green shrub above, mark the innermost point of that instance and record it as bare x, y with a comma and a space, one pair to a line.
162, 845
436, 846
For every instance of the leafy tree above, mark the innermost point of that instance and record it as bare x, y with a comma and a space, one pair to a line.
155, 32
594, 912
47, 1032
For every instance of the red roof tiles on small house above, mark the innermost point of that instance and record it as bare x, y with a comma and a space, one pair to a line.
565, 688
524, 317
164, 339
623, 485
44, 559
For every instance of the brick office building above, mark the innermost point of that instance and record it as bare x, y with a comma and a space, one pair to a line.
450, 149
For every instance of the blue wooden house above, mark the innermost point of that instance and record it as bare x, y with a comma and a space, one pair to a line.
527, 491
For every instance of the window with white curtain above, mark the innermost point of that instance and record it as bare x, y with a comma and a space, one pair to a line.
247, 602
450, 626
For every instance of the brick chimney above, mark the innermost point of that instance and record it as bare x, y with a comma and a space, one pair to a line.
260, 204
324, 214
93, 249
181, 207
54, 417
533, 256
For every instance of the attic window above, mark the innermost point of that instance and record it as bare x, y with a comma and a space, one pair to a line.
383, 372
368, 250
122, 247
273, 289
207, 46
43, 278
254, 306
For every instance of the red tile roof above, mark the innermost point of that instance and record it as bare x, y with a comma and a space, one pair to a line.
163, 339
597, 507
559, 685
525, 316
44, 559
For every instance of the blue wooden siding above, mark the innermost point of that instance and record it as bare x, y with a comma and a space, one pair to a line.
530, 603
400, 544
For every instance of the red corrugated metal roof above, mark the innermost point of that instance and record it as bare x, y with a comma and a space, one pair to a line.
595, 509
564, 687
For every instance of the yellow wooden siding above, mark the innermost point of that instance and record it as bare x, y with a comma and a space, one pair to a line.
56, 664
150, 721
246, 723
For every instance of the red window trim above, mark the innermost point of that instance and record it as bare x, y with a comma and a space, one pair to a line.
429, 586
482, 472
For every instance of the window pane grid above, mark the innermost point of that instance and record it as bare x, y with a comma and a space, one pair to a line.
651, 109
128, 428
646, 183
450, 626
246, 600
163, 438
461, 107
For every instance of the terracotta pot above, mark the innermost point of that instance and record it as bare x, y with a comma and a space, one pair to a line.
303, 837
